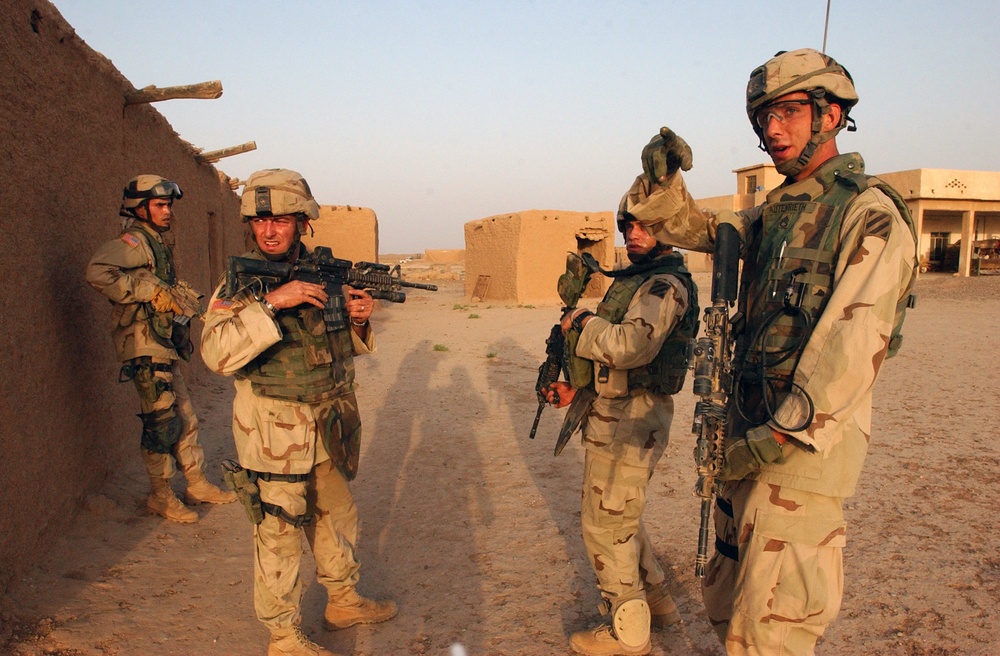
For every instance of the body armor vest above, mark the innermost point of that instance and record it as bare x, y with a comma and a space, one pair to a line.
789, 267
309, 364
163, 259
665, 373
162, 327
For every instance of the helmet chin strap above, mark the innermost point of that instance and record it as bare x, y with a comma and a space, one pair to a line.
654, 252
146, 220
821, 107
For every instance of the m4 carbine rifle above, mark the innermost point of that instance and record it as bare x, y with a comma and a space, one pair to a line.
321, 268
711, 358
571, 286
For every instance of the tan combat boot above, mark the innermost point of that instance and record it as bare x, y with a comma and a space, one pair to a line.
627, 635
164, 502
350, 608
199, 490
602, 642
292, 642
662, 609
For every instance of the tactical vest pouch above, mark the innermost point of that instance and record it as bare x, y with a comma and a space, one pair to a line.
339, 426
610, 383
579, 371
161, 430
241, 482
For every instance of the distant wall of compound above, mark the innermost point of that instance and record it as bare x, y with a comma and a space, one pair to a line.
519, 257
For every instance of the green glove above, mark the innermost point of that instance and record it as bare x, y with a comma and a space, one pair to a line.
664, 154
745, 455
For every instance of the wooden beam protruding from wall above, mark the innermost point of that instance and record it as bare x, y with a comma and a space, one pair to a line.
202, 90
216, 155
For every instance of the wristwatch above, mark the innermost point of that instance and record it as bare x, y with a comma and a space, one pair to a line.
273, 311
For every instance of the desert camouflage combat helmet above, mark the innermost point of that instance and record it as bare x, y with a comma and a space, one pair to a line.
142, 188
277, 192
636, 195
808, 71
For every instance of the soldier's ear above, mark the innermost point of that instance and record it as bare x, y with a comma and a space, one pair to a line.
833, 116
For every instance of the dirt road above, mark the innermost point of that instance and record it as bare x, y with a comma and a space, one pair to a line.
474, 530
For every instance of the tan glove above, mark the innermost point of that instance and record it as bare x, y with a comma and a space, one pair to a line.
664, 154
163, 301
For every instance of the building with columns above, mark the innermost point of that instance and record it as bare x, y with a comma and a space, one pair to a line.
955, 212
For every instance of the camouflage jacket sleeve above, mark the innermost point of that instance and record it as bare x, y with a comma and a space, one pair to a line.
236, 331
652, 313
671, 215
841, 360
366, 345
121, 270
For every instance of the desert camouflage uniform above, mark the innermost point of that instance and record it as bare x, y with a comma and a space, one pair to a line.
123, 270
776, 580
625, 434
284, 436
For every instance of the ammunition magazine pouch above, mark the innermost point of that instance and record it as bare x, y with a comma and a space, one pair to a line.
579, 371
161, 430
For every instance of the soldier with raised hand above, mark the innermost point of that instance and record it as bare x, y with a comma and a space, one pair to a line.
295, 418
634, 349
829, 259
151, 334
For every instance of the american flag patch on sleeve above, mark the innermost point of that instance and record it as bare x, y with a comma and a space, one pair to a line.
130, 239
221, 304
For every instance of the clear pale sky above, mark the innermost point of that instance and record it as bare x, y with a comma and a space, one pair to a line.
439, 113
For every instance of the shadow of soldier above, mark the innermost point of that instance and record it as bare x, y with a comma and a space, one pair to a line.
512, 381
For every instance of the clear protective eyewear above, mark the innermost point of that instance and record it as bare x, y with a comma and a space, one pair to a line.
781, 111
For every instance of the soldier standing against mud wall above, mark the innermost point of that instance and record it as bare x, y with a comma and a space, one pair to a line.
636, 344
828, 262
295, 418
152, 313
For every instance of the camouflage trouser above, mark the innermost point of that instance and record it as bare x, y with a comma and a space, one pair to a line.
278, 587
788, 583
614, 495
187, 453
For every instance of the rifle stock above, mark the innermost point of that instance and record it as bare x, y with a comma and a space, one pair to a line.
710, 356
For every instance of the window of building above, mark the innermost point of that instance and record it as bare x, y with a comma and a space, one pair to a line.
751, 184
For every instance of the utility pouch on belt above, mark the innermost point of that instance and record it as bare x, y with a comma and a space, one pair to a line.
242, 483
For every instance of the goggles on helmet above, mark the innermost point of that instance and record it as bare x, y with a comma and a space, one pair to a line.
163, 189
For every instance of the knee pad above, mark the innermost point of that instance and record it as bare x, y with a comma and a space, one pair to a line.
161, 430
630, 620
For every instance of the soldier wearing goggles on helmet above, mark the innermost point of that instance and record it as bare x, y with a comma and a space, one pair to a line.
295, 418
151, 333
828, 263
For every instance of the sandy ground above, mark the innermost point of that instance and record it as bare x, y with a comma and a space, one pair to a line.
474, 530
